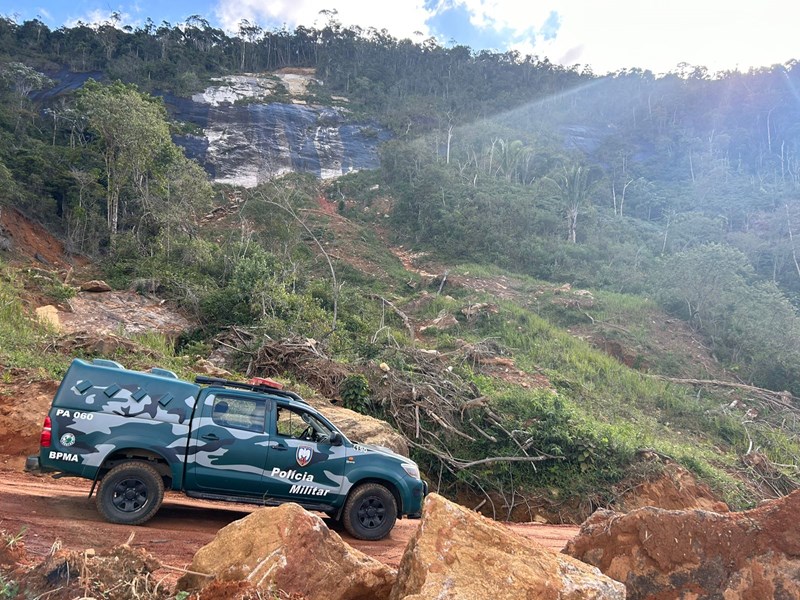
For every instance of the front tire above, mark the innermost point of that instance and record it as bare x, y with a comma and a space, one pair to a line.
130, 493
370, 512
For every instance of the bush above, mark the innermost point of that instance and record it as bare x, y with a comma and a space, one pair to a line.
354, 391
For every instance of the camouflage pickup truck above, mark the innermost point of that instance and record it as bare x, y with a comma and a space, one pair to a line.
136, 433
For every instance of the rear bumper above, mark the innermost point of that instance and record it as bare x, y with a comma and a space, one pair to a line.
32, 463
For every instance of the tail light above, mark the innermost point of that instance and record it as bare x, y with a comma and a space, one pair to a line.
47, 435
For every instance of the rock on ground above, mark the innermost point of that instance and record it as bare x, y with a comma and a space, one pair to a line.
675, 489
289, 549
664, 555
96, 286
363, 428
458, 554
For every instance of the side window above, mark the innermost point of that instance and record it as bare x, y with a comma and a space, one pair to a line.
289, 423
239, 413
299, 424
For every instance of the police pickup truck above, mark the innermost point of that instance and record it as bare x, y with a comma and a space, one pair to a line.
136, 433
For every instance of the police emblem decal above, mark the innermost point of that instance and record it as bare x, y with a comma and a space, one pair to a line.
304, 454
67, 439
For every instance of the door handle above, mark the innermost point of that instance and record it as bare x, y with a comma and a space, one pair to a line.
211, 437
278, 446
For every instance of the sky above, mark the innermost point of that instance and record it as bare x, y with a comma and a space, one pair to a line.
607, 35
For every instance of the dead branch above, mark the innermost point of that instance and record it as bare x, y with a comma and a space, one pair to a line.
606, 323
489, 437
398, 312
441, 285
496, 459
460, 464
447, 426
180, 570
777, 398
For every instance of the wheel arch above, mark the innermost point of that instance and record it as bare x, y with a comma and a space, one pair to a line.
169, 473
387, 483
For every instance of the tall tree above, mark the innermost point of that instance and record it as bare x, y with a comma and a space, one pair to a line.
572, 186
132, 131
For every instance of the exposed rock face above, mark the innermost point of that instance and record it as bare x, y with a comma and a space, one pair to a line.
247, 144
459, 554
666, 555
289, 549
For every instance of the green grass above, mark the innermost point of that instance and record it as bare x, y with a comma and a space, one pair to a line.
24, 340
8, 587
610, 411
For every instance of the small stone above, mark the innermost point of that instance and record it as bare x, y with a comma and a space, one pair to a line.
95, 286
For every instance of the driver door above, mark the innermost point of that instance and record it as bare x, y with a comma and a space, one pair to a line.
302, 465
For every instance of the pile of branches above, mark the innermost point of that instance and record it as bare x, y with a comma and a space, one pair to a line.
760, 409
303, 359
431, 406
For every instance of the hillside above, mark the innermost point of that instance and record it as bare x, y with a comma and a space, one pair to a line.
555, 287
507, 381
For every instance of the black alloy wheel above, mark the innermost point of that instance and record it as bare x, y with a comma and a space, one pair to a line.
130, 493
370, 512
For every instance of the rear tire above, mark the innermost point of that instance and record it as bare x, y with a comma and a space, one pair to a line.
130, 493
370, 512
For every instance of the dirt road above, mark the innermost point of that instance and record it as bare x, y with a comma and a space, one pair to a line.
57, 511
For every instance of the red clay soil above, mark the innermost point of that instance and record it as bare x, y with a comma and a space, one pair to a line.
32, 243
58, 511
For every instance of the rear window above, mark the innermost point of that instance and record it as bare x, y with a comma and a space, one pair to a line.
248, 414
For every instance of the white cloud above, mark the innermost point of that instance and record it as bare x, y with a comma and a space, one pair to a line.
653, 34
401, 19
515, 16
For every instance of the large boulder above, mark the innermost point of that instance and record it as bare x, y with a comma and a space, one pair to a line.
674, 489
363, 428
662, 554
458, 554
289, 549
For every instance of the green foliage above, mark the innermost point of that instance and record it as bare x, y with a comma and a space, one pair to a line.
160, 343
9, 588
13, 540
22, 337
146, 175
354, 391
669, 186
750, 323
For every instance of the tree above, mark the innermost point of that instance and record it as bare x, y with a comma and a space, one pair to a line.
132, 131
572, 186
750, 323
24, 79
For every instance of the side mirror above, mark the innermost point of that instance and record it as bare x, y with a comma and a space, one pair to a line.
336, 439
